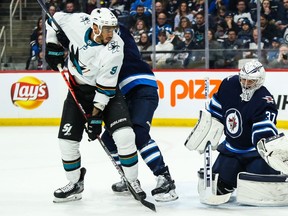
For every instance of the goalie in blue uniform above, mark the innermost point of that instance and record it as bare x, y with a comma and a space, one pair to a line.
245, 110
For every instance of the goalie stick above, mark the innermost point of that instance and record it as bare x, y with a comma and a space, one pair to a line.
121, 173
208, 195
133, 192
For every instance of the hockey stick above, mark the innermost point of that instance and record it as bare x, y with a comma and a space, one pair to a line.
42, 5
143, 201
207, 196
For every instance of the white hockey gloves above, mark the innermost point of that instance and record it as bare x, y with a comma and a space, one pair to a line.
274, 150
208, 130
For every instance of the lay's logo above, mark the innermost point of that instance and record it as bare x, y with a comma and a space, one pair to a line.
29, 92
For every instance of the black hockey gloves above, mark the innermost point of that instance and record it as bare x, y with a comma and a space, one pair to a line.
54, 55
94, 126
62, 38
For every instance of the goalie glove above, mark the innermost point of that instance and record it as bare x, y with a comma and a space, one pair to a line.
274, 150
54, 55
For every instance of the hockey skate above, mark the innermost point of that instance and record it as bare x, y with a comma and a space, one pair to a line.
120, 186
137, 188
71, 192
165, 189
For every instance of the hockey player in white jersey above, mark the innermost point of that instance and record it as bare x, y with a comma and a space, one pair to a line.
95, 59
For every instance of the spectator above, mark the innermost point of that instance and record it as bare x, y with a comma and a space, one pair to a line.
242, 12
71, 6
159, 8
268, 11
231, 51
35, 58
162, 45
184, 24
215, 5
253, 47
188, 47
273, 52
52, 10
215, 49
219, 17
138, 29
245, 34
90, 6
183, 11
268, 30
171, 9
282, 18
34, 39
48, 3
220, 34
161, 25
199, 30
198, 6
147, 4
139, 15
36, 31
229, 22
144, 45
282, 60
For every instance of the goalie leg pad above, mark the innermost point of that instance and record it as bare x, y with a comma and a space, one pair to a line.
274, 150
262, 190
207, 130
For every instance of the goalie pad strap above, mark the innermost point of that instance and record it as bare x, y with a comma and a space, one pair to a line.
264, 192
262, 178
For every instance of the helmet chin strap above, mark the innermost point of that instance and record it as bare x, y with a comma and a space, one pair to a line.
96, 35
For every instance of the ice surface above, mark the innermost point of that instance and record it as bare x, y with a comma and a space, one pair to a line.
31, 169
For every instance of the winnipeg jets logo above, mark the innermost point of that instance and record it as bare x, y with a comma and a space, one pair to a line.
268, 99
113, 46
233, 122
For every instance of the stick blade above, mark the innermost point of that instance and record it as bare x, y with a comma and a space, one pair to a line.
206, 197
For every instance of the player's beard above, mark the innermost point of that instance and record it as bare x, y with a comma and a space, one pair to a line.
107, 40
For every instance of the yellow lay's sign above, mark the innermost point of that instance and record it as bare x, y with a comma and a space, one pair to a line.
29, 92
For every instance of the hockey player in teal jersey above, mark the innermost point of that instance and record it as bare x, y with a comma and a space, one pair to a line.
95, 59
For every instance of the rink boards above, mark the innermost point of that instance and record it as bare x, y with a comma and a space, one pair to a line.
36, 97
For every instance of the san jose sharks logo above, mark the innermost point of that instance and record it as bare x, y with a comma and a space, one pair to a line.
85, 20
113, 46
233, 120
74, 57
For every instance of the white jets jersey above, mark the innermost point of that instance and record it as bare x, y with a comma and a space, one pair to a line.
89, 62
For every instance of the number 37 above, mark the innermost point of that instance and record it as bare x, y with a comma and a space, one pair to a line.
271, 116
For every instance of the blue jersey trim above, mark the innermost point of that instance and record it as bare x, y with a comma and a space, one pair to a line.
130, 82
238, 151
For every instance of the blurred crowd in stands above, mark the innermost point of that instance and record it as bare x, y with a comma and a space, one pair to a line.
180, 31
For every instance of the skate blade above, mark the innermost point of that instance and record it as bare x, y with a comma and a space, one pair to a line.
166, 197
73, 197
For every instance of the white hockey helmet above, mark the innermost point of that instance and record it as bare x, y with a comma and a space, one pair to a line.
252, 77
103, 17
